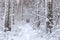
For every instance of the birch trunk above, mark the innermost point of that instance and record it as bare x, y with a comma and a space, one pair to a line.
7, 16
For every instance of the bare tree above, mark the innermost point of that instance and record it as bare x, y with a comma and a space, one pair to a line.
22, 8
50, 15
8, 16
37, 12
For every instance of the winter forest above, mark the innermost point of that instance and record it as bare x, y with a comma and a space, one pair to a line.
29, 19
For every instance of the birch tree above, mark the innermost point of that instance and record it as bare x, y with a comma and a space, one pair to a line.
37, 12
50, 15
7, 16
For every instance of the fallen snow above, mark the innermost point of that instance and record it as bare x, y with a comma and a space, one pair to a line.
25, 32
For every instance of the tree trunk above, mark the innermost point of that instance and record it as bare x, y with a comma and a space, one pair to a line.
8, 16
50, 15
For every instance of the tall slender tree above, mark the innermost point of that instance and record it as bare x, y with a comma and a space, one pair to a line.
37, 12
7, 16
22, 8
50, 15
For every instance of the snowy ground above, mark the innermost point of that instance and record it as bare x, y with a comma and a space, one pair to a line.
25, 32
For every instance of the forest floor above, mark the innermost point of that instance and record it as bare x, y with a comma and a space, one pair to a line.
25, 32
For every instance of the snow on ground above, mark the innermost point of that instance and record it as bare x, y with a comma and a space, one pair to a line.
24, 32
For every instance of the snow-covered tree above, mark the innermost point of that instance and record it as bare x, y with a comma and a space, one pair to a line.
50, 15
